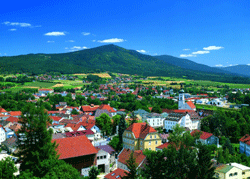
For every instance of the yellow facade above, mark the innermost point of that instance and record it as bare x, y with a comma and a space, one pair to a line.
151, 141
245, 174
233, 173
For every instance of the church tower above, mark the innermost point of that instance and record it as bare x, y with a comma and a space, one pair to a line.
181, 102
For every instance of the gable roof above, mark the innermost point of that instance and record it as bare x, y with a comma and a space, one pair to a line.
191, 104
141, 130
55, 118
12, 119
204, 135
162, 146
138, 155
74, 127
70, 147
15, 113
245, 139
116, 174
2, 110
107, 107
89, 108
106, 148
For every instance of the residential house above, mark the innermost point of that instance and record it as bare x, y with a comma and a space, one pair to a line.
5, 123
155, 120
9, 132
116, 174
108, 108
10, 144
206, 138
141, 136
55, 119
216, 102
245, 144
45, 92
78, 152
228, 171
110, 151
2, 134
3, 111
88, 133
162, 146
12, 119
124, 156
102, 160
17, 114
89, 109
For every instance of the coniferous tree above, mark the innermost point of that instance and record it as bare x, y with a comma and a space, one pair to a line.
132, 167
122, 128
34, 140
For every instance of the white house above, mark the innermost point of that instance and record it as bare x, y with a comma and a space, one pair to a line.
155, 120
182, 104
216, 102
206, 138
202, 101
103, 160
245, 144
2, 134
183, 119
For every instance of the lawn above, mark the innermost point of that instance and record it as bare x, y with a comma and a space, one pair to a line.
38, 84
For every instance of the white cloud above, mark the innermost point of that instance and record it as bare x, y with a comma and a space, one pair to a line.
66, 48
113, 40
70, 41
248, 64
141, 51
54, 34
93, 40
21, 24
186, 49
213, 48
75, 48
50, 41
200, 52
187, 55
219, 65
233, 65
12, 29
85, 33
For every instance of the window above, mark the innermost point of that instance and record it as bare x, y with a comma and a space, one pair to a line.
155, 142
235, 173
149, 148
150, 137
98, 158
155, 136
149, 143
230, 174
101, 157
141, 142
243, 173
105, 156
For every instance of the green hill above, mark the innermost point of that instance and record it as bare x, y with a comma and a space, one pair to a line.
105, 58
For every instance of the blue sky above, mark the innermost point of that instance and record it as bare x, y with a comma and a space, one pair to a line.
215, 33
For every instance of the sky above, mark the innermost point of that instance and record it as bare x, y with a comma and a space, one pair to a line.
215, 33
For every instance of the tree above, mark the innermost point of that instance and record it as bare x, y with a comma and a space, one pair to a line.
121, 129
205, 169
228, 146
34, 141
93, 172
132, 167
104, 121
116, 120
74, 112
7, 168
115, 143
133, 116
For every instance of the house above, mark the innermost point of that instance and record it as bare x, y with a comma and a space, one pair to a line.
244, 169
5, 123
182, 104
102, 160
228, 171
44, 92
124, 156
162, 146
78, 152
206, 138
108, 108
12, 119
216, 102
3, 111
155, 120
89, 109
110, 150
141, 136
55, 119
17, 114
245, 144
76, 127
190, 121
2, 134
116, 174
10, 144
88, 133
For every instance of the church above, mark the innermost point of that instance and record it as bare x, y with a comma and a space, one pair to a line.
182, 104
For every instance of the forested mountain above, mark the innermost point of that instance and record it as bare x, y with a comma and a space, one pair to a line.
239, 69
188, 64
106, 58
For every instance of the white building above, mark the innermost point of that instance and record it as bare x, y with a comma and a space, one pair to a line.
155, 120
103, 160
217, 102
202, 101
183, 119
182, 104
2, 134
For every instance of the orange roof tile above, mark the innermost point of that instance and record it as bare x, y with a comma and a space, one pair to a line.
74, 147
124, 156
141, 130
204, 135
107, 107
116, 174
191, 104
15, 113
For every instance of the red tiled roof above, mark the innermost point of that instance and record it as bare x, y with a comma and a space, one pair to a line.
12, 119
245, 139
191, 104
2, 110
15, 113
116, 174
204, 135
141, 130
74, 127
107, 107
165, 145
74, 147
79, 133
15, 127
124, 156
55, 118
89, 108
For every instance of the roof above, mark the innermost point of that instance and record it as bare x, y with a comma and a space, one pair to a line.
141, 130
2, 110
106, 148
240, 166
55, 118
70, 147
162, 146
175, 116
89, 108
245, 139
204, 135
12, 119
116, 174
223, 168
79, 133
15, 127
107, 107
191, 104
74, 127
10, 142
124, 156
15, 113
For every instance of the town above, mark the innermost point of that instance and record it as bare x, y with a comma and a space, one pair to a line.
113, 125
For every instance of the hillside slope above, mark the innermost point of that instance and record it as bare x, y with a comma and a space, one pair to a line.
239, 69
